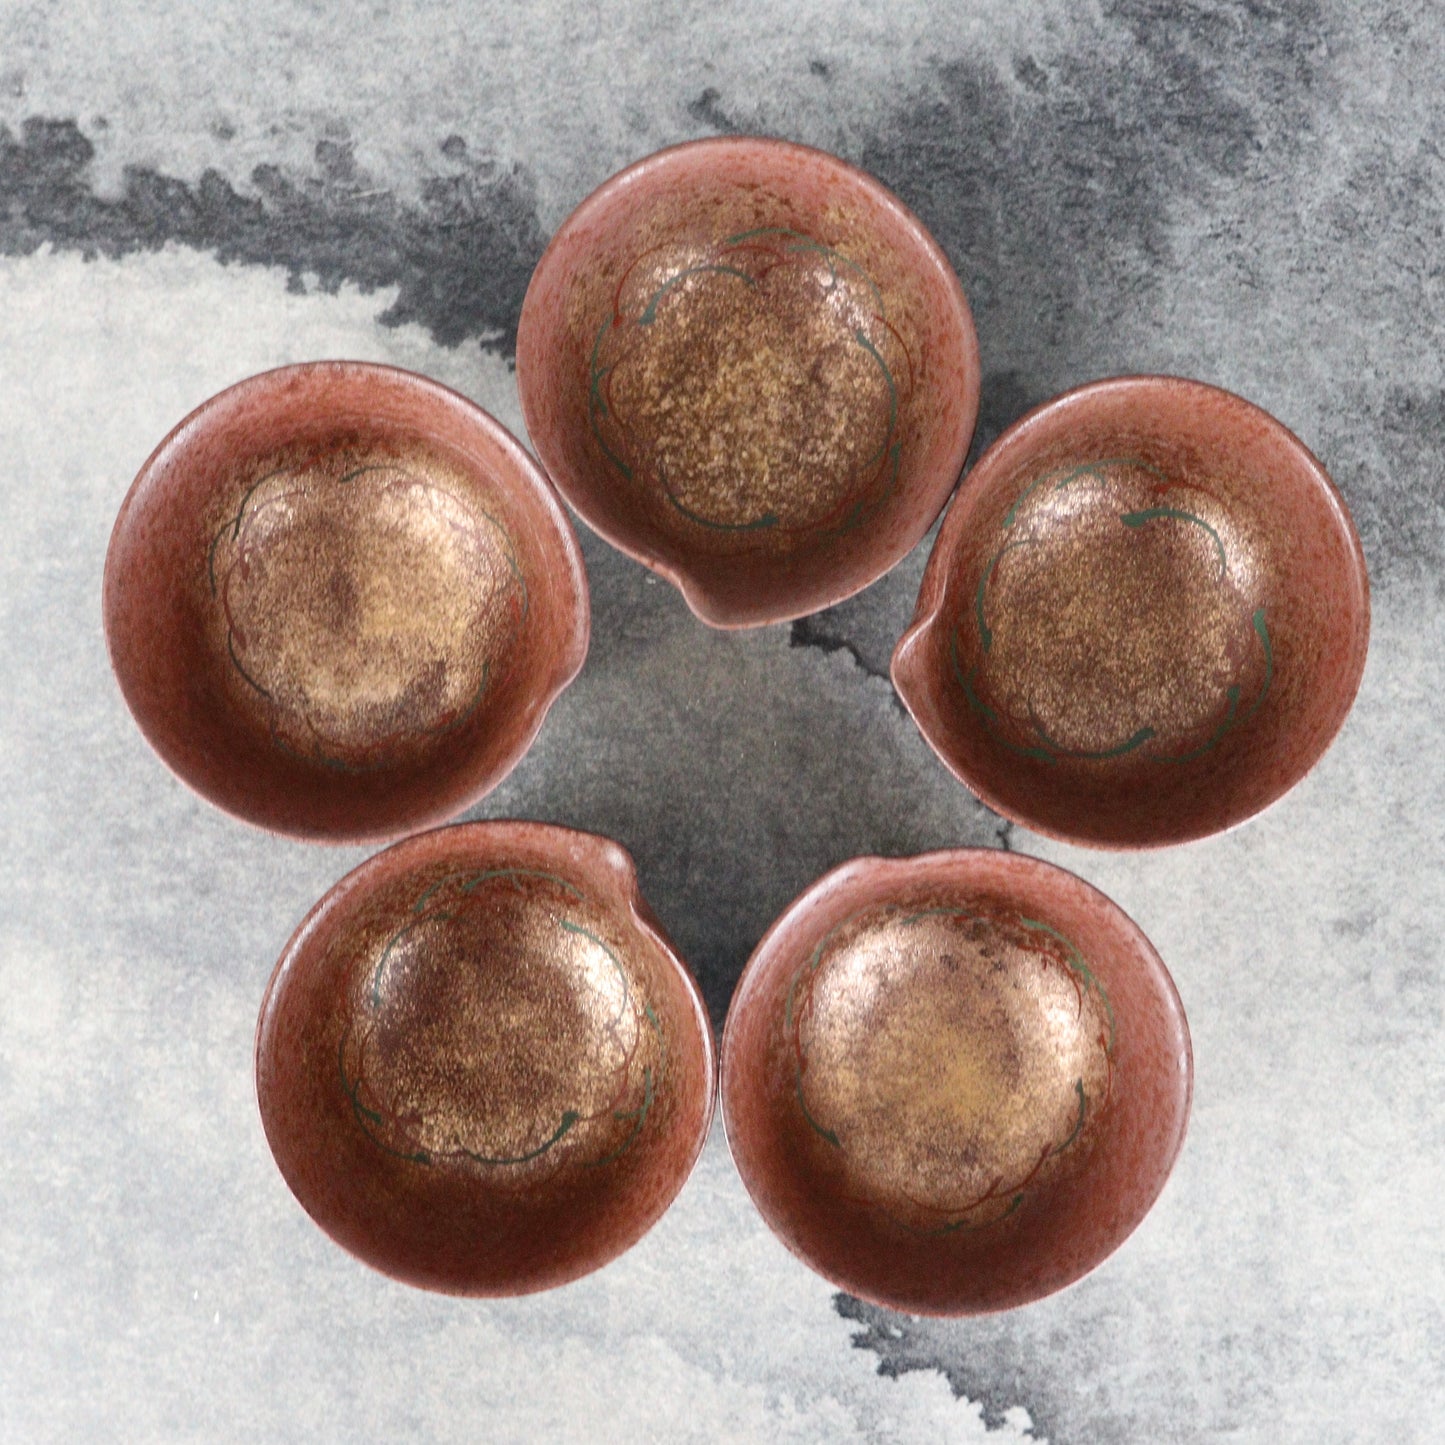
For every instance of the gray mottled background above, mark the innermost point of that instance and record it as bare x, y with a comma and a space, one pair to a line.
1248, 191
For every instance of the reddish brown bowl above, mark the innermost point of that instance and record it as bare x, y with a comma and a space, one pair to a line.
1145, 617
480, 1064
954, 1083
339, 600
749, 367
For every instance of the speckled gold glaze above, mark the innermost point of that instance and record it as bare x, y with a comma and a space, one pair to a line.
746, 364
754, 386
1144, 619
955, 1053
339, 599
365, 599
480, 1065
954, 1083
498, 1028
1119, 610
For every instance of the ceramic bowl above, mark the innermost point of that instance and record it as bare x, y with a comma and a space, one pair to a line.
481, 1066
339, 600
749, 367
954, 1083
1144, 619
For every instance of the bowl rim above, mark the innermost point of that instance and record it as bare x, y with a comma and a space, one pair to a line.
839, 880
909, 681
601, 852
523, 466
697, 597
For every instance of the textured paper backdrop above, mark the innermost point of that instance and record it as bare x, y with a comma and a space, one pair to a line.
1247, 191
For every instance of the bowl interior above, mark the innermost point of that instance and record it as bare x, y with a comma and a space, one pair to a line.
480, 1067
339, 598
1144, 620
747, 365
956, 1083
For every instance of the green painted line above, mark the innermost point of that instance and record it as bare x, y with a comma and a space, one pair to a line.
942, 1229
1229, 721
1078, 1124
1076, 962
763, 231
989, 716
1233, 718
596, 406
640, 1117
649, 315
475, 880
1127, 746
351, 476
1063, 479
827, 1134
1151, 514
861, 337
236, 663
1262, 632
985, 632
569, 1119
392, 944
366, 1118
766, 520
616, 962
251, 492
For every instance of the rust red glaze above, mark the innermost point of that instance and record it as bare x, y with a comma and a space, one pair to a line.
173, 677
1309, 579
810, 188
1060, 1231
452, 1227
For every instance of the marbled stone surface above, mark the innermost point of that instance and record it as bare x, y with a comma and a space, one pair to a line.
1247, 191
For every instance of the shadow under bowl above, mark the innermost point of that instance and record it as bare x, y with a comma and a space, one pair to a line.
480, 1065
339, 599
954, 1083
1145, 617
748, 366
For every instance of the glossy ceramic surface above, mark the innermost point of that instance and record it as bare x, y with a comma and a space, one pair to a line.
955, 1083
747, 365
480, 1065
1145, 617
339, 599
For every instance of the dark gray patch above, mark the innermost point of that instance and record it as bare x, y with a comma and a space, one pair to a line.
902, 1347
223, 130
1003, 397
1056, 201
1028, 72
1356, 926
460, 258
708, 110
816, 631
1389, 459
820, 68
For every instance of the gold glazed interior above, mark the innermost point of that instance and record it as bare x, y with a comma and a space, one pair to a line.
339, 600
955, 1054
1145, 617
364, 596
480, 1066
1116, 609
748, 366
954, 1083
498, 1031
751, 389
